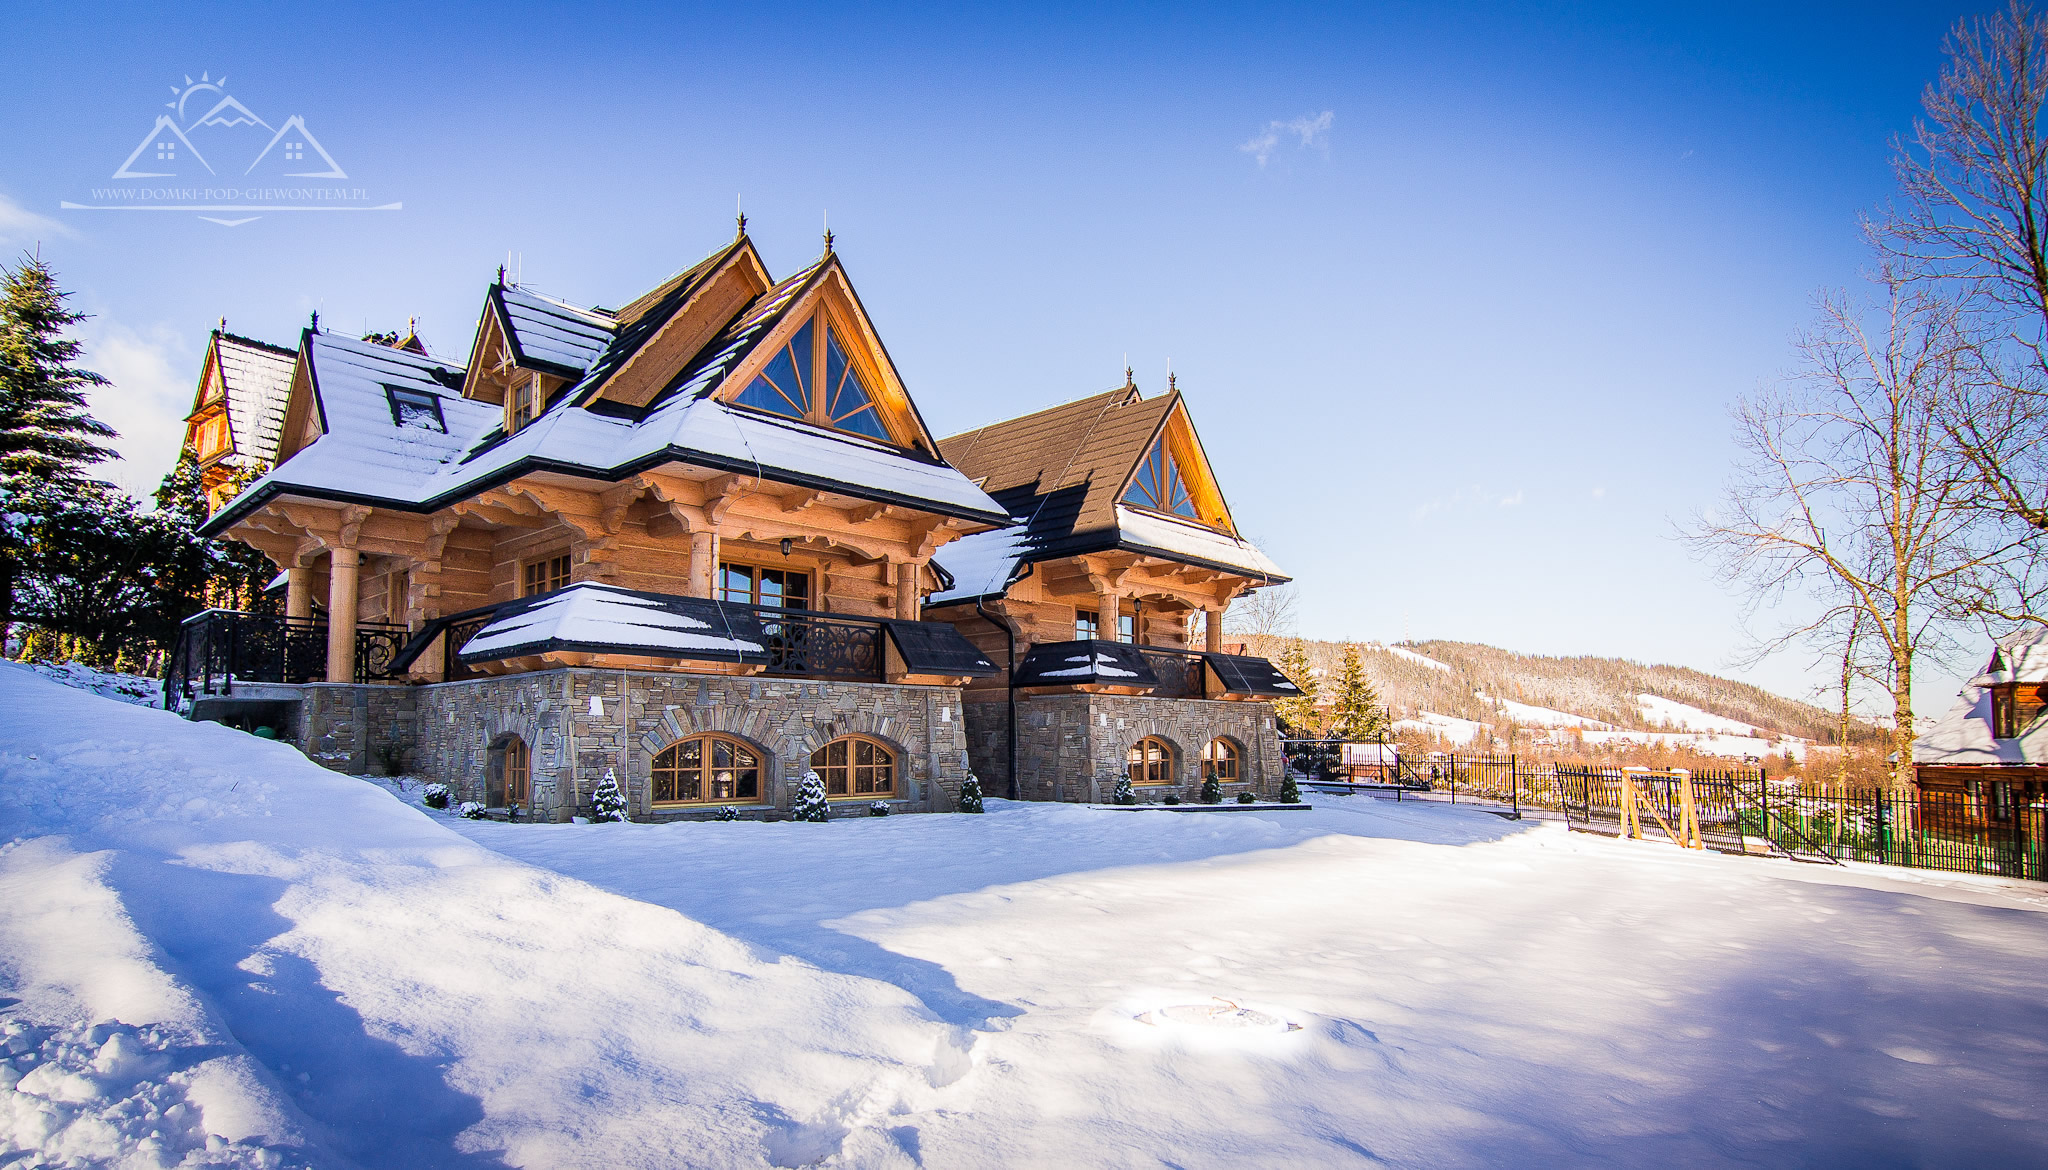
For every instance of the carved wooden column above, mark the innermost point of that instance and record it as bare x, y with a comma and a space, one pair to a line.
908, 605
298, 591
703, 564
341, 615
1109, 604
1213, 626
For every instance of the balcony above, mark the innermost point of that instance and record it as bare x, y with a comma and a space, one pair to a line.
218, 648
584, 623
1158, 672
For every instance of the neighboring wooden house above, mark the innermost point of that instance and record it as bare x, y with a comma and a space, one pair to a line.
685, 542
238, 411
1990, 750
1123, 545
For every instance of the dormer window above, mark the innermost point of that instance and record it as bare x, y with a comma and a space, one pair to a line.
522, 403
811, 378
2004, 713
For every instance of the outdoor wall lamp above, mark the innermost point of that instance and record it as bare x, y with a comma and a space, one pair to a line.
786, 542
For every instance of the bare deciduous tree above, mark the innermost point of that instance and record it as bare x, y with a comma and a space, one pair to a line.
1263, 618
1973, 182
1851, 495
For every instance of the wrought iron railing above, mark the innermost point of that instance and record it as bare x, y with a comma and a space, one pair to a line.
218, 648
1179, 672
459, 631
807, 644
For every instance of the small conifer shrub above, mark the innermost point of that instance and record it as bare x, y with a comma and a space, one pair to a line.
727, 812
1212, 792
608, 803
1247, 798
879, 808
1173, 798
810, 801
435, 796
970, 794
1290, 792
471, 809
1124, 795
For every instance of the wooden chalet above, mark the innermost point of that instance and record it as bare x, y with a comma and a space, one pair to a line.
1989, 752
238, 411
685, 542
1103, 606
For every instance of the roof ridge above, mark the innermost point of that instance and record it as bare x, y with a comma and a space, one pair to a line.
283, 350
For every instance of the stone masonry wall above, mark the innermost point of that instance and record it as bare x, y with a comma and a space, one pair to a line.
357, 729
635, 714
1073, 747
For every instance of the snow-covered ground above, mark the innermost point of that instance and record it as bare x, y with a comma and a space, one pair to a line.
1418, 659
1664, 712
1455, 731
1530, 715
219, 944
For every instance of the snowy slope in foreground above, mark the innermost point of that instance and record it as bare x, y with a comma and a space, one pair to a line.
222, 943
259, 951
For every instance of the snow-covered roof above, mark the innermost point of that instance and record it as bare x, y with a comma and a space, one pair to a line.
588, 616
2018, 658
983, 563
368, 455
1963, 735
257, 381
552, 334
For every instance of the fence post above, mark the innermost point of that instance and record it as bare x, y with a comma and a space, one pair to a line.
1515, 785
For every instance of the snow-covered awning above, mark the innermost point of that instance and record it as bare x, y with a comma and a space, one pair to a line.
592, 618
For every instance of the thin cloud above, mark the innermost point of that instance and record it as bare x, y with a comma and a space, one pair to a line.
20, 227
1514, 501
1311, 130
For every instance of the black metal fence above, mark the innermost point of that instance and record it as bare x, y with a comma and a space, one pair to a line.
218, 648
1739, 810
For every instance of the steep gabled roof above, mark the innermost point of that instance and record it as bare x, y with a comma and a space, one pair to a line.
550, 335
1963, 733
581, 433
256, 379
1062, 473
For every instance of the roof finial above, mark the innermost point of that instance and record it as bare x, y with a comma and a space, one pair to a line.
1130, 375
741, 213
828, 232
501, 274
1170, 385
223, 324
316, 320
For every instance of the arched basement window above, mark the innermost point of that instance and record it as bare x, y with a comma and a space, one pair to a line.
811, 378
1151, 762
1159, 485
855, 766
705, 769
508, 776
1219, 759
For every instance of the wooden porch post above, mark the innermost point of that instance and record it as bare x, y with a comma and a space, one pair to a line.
703, 566
1109, 607
908, 604
1212, 622
298, 591
341, 615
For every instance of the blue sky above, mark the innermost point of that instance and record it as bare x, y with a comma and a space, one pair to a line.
1463, 355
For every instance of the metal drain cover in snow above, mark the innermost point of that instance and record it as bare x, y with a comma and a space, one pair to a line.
1218, 1013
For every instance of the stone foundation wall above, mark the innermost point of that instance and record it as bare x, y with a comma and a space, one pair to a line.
635, 714
1072, 747
358, 729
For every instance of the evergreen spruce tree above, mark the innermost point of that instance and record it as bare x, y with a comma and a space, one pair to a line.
1212, 790
608, 803
46, 435
970, 794
810, 801
1299, 713
1359, 716
1124, 794
1290, 792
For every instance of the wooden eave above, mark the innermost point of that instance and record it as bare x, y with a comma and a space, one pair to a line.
720, 295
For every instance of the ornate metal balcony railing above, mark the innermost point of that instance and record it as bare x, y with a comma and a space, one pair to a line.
218, 648
806, 644
1179, 671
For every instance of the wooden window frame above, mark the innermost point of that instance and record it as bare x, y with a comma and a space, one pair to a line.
513, 760
673, 773
549, 572
1141, 771
754, 584
524, 401
826, 318
849, 774
1229, 755
1126, 626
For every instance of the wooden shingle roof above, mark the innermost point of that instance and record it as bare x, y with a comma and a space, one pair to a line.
1090, 445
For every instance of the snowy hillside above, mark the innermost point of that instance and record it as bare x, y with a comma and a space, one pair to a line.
214, 953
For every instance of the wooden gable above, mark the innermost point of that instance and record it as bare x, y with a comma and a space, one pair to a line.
303, 422
719, 289
492, 367
1176, 447
829, 304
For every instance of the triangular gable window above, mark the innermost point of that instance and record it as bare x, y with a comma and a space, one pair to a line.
816, 383
1159, 484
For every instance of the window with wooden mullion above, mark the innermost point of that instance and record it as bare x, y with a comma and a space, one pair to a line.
753, 585
812, 378
855, 767
545, 575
